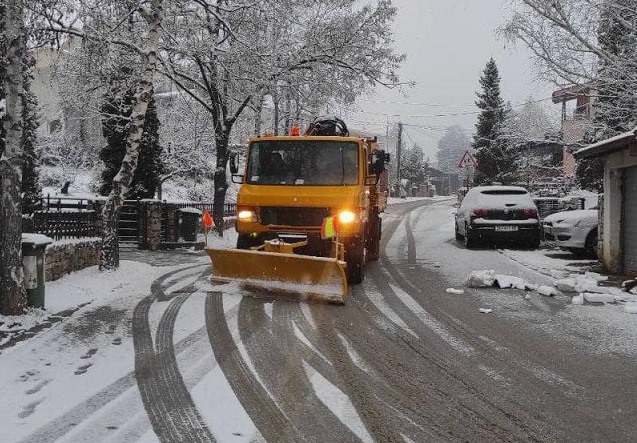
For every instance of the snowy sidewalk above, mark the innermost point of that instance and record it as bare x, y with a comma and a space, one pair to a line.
90, 288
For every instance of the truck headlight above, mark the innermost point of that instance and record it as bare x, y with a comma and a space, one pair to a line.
346, 217
247, 215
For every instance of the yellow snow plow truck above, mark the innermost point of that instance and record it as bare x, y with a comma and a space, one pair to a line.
308, 212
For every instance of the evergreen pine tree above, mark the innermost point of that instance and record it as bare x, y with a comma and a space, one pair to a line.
31, 189
615, 110
116, 112
495, 159
150, 165
414, 165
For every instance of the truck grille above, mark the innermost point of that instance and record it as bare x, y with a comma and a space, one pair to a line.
290, 216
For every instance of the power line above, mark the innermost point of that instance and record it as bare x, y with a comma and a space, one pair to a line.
472, 105
450, 114
433, 105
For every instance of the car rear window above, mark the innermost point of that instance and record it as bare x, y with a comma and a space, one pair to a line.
504, 192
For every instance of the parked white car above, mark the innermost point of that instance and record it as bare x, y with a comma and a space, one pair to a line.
575, 231
496, 215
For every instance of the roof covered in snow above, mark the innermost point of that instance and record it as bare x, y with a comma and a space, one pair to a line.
617, 143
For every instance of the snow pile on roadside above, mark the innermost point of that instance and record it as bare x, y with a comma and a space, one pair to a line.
508, 281
585, 285
480, 279
548, 291
488, 278
589, 282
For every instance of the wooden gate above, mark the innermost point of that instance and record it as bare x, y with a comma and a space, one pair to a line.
129, 229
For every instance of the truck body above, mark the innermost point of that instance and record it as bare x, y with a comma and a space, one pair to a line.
293, 189
293, 200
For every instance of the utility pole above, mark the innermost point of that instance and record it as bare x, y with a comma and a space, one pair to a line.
399, 143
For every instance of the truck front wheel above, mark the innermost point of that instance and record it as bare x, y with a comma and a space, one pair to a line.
246, 241
355, 259
373, 240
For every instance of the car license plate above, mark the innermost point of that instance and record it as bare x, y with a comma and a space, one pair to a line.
506, 228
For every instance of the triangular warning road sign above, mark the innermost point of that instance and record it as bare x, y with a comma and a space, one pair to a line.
467, 160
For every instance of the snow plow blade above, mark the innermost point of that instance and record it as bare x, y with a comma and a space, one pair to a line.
317, 278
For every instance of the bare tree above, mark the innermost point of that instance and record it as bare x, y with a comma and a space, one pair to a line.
99, 22
591, 42
569, 41
13, 46
245, 50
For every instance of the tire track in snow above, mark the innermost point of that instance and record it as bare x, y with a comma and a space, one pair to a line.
168, 403
528, 427
273, 425
318, 421
69, 420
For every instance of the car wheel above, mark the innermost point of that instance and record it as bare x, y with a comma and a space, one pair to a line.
590, 248
469, 238
458, 234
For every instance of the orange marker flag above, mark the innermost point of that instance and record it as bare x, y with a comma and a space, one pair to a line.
206, 219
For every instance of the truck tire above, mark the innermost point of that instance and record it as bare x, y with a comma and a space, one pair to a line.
373, 239
355, 259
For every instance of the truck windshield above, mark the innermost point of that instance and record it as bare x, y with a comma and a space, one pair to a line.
303, 163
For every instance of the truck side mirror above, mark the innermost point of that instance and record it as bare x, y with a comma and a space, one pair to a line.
379, 158
234, 167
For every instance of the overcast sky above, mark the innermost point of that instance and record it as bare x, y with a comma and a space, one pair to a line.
447, 44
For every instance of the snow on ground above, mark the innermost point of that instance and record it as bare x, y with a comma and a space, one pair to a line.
46, 376
609, 327
66, 367
398, 200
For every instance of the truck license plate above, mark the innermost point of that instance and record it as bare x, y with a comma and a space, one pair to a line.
506, 228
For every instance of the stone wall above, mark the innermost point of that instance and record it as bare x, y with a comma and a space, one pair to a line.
65, 256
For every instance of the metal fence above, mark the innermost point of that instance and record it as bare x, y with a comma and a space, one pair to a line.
63, 224
66, 217
49, 203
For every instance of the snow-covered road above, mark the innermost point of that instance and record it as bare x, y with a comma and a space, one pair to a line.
160, 354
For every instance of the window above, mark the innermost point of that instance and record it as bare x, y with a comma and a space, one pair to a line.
303, 163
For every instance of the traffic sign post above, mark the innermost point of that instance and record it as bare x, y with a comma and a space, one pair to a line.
467, 161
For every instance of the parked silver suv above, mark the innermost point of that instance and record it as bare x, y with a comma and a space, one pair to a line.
575, 231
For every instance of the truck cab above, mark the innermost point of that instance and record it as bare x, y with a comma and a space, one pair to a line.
291, 184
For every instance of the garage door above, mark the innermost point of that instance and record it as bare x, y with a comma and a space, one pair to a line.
629, 224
